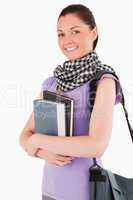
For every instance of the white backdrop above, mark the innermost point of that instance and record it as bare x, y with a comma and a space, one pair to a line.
28, 54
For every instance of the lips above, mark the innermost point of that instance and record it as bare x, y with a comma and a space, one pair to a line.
70, 49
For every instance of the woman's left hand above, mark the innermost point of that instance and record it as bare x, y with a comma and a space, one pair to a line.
32, 145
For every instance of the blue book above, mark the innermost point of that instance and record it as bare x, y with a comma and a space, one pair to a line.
49, 117
69, 108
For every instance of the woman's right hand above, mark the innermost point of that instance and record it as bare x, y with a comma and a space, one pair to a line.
52, 158
59, 160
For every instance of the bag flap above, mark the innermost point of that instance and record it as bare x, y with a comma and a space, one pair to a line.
118, 194
113, 180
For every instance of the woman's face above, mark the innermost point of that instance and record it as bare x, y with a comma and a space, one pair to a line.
75, 38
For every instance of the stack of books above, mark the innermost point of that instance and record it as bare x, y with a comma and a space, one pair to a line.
53, 115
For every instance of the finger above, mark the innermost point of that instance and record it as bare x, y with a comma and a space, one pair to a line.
60, 163
31, 152
62, 158
69, 157
65, 156
40, 154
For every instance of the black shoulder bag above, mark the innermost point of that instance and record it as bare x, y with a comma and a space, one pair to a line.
105, 185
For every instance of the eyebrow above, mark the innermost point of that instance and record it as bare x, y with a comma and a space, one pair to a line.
70, 28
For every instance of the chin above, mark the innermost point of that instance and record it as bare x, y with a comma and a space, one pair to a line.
73, 57
76, 56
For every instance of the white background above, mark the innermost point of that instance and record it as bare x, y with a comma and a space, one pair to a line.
28, 54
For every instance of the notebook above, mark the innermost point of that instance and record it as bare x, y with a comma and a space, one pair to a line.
50, 117
69, 108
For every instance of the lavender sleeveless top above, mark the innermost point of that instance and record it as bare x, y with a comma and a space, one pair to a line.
71, 182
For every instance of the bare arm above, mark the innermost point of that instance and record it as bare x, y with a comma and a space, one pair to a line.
28, 129
100, 127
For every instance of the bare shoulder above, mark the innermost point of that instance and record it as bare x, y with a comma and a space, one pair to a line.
106, 92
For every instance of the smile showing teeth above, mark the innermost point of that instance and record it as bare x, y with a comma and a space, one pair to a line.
71, 49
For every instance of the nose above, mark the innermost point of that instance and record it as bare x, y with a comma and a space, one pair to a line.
67, 40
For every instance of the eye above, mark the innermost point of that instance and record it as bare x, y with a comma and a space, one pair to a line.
60, 35
76, 32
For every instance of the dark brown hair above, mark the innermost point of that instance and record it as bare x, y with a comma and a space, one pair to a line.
84, 13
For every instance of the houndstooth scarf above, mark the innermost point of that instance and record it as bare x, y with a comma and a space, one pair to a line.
77, 72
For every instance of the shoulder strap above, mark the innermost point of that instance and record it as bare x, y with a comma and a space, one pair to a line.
93, 87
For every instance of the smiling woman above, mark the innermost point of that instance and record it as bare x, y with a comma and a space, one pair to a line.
66, 170
75, 37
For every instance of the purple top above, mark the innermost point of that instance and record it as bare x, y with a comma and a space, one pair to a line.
71, 182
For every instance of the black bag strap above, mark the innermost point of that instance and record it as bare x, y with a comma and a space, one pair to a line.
93, 87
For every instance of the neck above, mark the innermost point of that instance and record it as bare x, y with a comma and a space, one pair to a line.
81, 56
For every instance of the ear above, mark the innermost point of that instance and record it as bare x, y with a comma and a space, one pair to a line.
94, 32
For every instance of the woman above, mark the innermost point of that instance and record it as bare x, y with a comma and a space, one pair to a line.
66, 170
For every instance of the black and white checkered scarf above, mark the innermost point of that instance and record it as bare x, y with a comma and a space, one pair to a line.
77, 72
